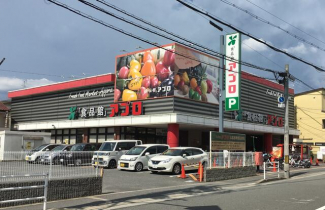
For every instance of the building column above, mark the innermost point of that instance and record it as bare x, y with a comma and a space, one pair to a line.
268, 142
172, 135
117, 133
85, 136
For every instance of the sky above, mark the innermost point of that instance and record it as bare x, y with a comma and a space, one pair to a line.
43, 43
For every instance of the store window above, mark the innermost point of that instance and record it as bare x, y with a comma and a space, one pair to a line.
146, 135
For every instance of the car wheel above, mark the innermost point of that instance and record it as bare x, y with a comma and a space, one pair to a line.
177, 169
138, 167
112, 164
154, 172
37, 160
77, 162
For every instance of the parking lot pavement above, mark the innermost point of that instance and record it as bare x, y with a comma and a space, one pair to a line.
118, 181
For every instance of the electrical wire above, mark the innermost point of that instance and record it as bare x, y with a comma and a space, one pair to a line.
217, 54
127, 33
307, 130
285, 21
273, 25
195, 8
309, 116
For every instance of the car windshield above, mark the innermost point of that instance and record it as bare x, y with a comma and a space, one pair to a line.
78, 147
107, 146
58, 148
173, 152
39, 148
135, 151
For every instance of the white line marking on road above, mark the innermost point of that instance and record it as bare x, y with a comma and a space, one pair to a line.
321, 208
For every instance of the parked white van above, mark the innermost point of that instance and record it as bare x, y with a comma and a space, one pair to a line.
110, 151
136, 159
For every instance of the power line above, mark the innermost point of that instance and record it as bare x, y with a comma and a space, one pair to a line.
40, 74
195, 8
217, 54
125, 32
273, 25
285, 22
309, 116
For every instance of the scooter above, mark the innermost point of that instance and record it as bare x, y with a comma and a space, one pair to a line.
300, 163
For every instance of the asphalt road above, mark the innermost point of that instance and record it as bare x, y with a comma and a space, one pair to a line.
303, 191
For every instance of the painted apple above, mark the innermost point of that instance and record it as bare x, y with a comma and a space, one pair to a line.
146, 82
142, 93
154, 82
198, 89
162, 71
117, 94
181, 84
123, 73
209, 83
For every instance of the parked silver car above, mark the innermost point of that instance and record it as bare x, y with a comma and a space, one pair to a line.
54, 155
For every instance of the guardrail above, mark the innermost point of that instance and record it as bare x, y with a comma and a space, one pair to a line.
231, 159
275, 166
45, 186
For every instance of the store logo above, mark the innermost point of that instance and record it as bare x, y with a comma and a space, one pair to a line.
232, 40
121, 109
73, 113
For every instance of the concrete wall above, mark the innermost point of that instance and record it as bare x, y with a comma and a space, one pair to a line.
57, 190
217, 174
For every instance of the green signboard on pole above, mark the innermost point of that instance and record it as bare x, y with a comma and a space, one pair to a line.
232, 72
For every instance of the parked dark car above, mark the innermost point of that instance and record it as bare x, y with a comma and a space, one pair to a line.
79, 154
55, 154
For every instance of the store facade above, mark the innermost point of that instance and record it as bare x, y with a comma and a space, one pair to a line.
81, 111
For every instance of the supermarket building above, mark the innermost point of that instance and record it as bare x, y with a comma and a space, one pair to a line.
173, 120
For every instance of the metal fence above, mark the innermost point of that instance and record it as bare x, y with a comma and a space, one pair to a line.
56, 164
231, 159
44, 187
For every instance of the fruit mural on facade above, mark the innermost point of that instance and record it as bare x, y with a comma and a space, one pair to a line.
177, 71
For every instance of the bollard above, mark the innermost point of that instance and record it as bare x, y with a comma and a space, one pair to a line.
201, 172
198, 171
215, 162
311, 160
317, 162
183, 175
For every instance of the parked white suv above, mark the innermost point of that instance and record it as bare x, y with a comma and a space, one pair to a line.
172, 159
136, 159
110, 151
34, 156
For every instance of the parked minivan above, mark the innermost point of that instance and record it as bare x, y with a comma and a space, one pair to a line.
34, 156
79, 154
110, 151
136, 159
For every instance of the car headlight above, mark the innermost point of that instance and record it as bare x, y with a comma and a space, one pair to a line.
133, 159
167, 160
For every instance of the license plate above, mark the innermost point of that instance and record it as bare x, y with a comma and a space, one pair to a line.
96, 163
42, 160
61, 160
122, 164
154, 166
26, 158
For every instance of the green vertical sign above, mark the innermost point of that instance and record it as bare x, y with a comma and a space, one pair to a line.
232, 72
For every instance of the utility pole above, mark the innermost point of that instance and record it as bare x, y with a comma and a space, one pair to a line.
286, 123
222, 47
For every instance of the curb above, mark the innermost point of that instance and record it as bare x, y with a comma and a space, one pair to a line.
268, 180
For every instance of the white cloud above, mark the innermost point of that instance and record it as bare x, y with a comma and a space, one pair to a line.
301, 48
251, 45
9, 83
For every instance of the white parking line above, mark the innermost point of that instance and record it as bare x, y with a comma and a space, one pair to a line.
321, 208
